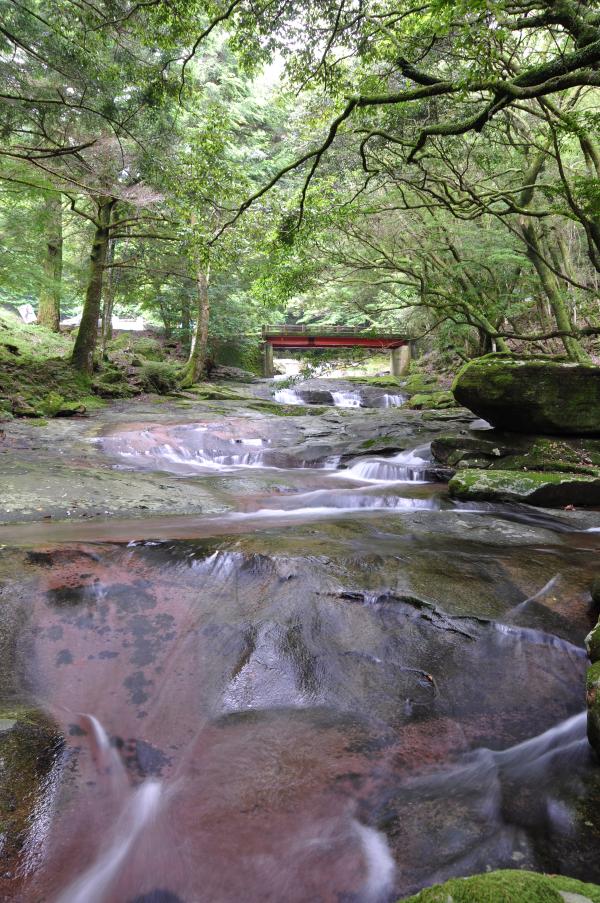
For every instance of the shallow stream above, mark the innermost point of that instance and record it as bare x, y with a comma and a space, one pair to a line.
344, 687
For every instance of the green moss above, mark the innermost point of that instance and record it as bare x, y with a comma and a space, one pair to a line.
432, 400
381, 382
161, 377
552, 489
531, 395
509, 886
246, 355
211, 392
285, 410
148, 348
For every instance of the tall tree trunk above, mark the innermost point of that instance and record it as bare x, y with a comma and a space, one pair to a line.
49, 304
552, 291
186, 323
108, 295
85, 343
196, 365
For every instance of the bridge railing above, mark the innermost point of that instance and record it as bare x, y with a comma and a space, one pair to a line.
312, 330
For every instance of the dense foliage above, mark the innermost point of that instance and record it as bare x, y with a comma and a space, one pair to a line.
428, 166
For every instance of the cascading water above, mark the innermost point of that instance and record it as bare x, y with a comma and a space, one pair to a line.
189, 449
346, 399
407, 467
393, 401
287, 396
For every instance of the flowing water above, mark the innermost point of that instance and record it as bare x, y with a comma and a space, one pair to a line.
343, 689
368, 397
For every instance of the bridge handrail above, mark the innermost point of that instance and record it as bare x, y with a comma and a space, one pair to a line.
327, 331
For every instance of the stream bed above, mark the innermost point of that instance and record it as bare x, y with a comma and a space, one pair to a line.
314, 677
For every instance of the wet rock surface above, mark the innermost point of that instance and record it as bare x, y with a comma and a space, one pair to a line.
62, 470
313, 677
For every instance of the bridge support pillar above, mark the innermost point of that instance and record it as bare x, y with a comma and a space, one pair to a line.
268, 368
400, 360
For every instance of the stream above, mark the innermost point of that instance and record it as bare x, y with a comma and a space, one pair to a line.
333, 684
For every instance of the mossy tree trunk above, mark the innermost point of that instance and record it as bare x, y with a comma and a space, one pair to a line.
87, 337
49, 303
549, 283
196, 365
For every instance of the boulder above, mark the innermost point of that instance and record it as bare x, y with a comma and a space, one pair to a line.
510, 886
592, 698
554, 490
232, 374
512, 451
532, 395
22, 408
432, 400
315, 396
592, 644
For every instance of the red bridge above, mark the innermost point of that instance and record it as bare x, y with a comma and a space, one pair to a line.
335, 337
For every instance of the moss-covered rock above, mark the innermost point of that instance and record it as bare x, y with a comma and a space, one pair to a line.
505, 451
548, 489
56, 406
161, 377
510, 886
148, 348
532, 395
420, 383
245, 354
210, 392
593, 705
432, 401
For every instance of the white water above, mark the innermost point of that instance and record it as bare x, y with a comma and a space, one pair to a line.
192, 452
287, 396
346, 399
138, 812
379, 861
393, 401
405, 467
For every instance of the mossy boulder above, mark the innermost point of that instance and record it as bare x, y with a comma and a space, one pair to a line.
420, 383
148, 348
510, 886
432, 401
592, 644
57, 406
592, 697
512, 451
145, 347
161, 377
532, 395
553, 490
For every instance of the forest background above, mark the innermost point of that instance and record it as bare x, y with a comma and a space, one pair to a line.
426, 168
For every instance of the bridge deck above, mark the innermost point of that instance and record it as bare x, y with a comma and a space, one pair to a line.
329, 337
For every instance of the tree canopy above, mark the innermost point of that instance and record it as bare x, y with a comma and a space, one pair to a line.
432, 166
